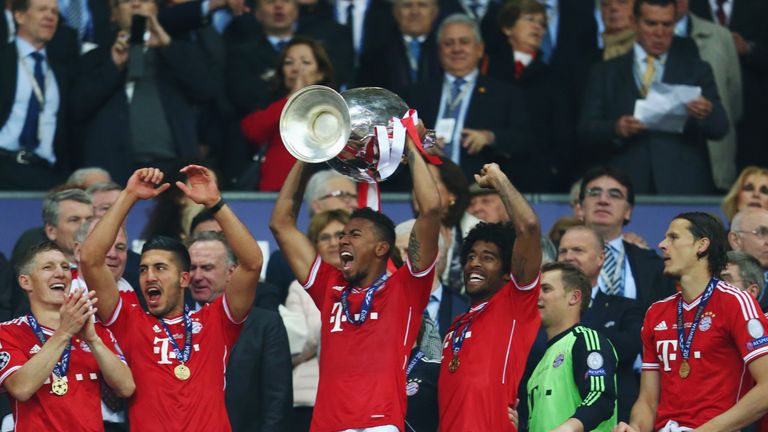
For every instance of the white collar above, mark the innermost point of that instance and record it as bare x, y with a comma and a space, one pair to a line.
25, 48
408, 39
523, 57
468, 78
641, 54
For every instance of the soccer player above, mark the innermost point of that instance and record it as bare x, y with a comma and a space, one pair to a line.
178, 357
573, 388
485, 350
370, 319
694, 340
52, 360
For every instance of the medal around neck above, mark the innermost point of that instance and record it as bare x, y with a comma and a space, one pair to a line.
59, 387
453, 366
182, 372
685, 369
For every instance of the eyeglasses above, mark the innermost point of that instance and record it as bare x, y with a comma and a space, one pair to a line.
342, 195
327, 237
760, 232
613, 193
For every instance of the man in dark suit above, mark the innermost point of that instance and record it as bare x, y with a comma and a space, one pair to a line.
410, 56
477, 119
607, 197
369, 23
33, 132
485, 14
136, 106
616, 317
657, 162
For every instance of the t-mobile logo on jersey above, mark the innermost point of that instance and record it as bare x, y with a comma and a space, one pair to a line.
667, 351
338, 317
166, 351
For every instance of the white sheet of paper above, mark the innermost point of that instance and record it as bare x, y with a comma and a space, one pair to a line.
444, 129
664, 109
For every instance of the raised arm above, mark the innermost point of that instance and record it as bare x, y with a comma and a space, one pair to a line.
422, 245
297, 248
526, 252
241, 290
116, 373
644, 410
143, 184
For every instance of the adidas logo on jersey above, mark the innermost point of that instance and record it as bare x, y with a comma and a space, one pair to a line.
661, 326
35, 349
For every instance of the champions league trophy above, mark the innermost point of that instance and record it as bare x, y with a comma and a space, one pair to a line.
361, 133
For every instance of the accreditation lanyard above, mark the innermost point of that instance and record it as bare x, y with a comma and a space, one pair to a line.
184, 356
61, 368
452, 102
683, 342
36, 89
419, 355
367, 301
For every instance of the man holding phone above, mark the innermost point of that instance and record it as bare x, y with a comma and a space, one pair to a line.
140, 92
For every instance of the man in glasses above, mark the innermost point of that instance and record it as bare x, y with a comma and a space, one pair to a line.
607, 198
749, 233
329, 190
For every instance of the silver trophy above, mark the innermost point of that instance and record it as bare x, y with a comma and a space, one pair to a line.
320, 125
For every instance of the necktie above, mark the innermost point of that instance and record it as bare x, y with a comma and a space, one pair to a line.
29, 138
280, 45
452, 109
74, 15
611, 272
351, 16
650, 71
519, 68
414, 48
475, 6
720, 13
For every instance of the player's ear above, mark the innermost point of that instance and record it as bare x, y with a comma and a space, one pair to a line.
381, 249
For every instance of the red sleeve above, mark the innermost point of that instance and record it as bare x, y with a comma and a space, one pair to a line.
12, 356
109, 340
316, 282
747, 323
417, 286
526, 297
650, 359
231, 328
258, 127
120, 321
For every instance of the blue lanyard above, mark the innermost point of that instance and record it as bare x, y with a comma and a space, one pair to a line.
457, 340
367, 301
419, 355
61, 368
685, 343
182, 357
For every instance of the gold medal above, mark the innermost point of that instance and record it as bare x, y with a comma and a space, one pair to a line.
182, 372
453, 366
685, 369
59, 387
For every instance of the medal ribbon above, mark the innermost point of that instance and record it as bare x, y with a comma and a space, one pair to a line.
367, 301
61, 368
685, 343
457, 339
419, 355
184, 356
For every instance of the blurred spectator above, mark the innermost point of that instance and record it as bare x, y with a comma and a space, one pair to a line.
486, 205
746, 21
716, 47
744, 272
253, 59
33, 101
548, 250
204, 221
86, 177
749, 233
544, 167
573, 200
653, 158
395, 65
302, 63
369, 23
607, 198
619, 35
103, 195
560, 227
90, 19
749, 190
329, 190
478, 119
135, 104
483, 12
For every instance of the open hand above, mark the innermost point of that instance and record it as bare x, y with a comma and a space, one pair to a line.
145, 183
475, 140
202, 187
120, 50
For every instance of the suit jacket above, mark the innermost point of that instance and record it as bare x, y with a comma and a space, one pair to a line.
8, 71
451, 306
389, 65
657, 162
259, 394
716, 47
489, 25
101, 108
648, 271
620, 320
495, 106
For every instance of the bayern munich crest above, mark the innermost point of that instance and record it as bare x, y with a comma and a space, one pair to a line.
706, 321
558, 360
197, 327
412, 387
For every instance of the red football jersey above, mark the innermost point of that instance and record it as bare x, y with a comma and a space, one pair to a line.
362, 367
80, 408
492, 361
163, 402
731, 333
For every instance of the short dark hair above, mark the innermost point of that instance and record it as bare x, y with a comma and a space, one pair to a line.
385, 228
19, 5
456, 182
638, 6
511, 11
205, 215
22, 265
500, 234
705, 225
175, 247
608, 171
324, 64
573, 279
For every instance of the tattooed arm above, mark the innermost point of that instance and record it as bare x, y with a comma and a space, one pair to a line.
297, 248
422, 245
526, 252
